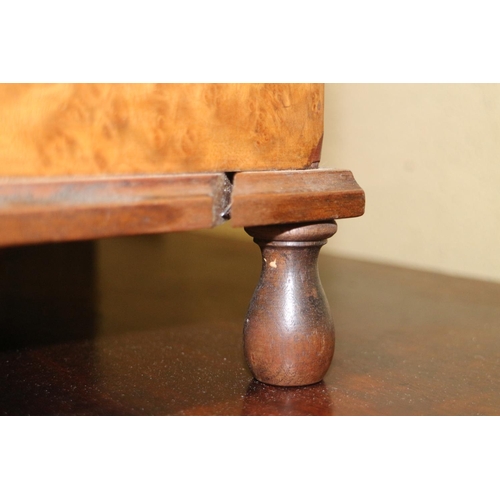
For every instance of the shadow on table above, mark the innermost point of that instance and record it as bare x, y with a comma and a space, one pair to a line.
263, 399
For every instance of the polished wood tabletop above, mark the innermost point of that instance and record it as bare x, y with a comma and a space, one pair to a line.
152, 325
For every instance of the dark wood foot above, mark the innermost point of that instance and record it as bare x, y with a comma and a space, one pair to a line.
289, 337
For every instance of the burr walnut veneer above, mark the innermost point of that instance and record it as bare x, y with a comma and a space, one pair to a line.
85, 161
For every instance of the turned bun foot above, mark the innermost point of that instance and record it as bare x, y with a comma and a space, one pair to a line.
288, 334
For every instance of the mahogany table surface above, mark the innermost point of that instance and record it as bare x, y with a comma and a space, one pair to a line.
152, 325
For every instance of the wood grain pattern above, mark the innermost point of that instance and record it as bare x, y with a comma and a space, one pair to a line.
262, 198
34, 210
87, 129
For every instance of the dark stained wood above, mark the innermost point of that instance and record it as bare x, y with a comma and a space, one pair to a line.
262, 198
163, 336
34, 210
102, 129
289, 336
263, 399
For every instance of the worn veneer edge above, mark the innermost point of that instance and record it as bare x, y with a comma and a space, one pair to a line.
281, 197
37, 210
